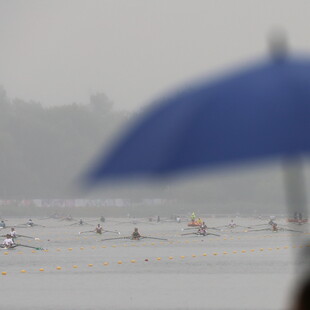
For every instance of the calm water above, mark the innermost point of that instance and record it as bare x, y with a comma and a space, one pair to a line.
238, 270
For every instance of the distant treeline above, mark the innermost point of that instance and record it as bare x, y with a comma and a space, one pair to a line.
44, 149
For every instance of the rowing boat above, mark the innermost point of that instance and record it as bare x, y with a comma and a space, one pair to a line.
193, 224
3, 247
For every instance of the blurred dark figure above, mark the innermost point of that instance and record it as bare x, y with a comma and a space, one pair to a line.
302, 301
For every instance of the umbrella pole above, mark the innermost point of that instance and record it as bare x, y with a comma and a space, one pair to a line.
296, 199
295, 187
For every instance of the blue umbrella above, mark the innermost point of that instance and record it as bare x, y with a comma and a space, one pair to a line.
259, 112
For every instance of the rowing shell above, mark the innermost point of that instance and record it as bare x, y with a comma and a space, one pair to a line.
7, 248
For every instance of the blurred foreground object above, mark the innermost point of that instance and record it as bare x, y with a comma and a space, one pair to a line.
302, 301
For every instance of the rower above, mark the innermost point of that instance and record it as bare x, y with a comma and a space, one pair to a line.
199, 221
99, 229
102, 219
30, 223
135, 235
69, 218
193, 217
232, 224
8, 242
81, 222
158, 219
202, 229
274, 226
2, 224
13, 233
178, 219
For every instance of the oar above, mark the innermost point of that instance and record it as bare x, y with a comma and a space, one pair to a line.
242, 226
285, 229
258, 225
214, 228
27, 237
88, 231
115, 238
189, 228
143, 237
28, 246
213, 234
84, 223
267, 229
193, 233
114, 232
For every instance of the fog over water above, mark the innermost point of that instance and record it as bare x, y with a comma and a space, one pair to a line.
75, 73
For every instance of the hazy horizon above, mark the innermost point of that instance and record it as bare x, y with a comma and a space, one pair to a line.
59, 52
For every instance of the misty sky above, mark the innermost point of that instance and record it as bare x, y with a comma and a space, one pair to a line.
59, 52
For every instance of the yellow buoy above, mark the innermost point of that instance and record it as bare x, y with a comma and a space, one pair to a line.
158, 258
81, 248
105, 263
3, 273
193, 255
58, 268
182, 256
6, 253
90, 265
133, 260
23, 271
204, 254
170, 257
70, 249
119, 262
74, 266
41, 269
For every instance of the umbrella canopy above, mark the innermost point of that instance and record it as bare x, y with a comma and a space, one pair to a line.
258, 112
